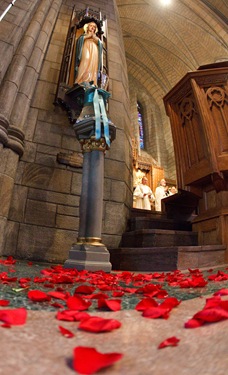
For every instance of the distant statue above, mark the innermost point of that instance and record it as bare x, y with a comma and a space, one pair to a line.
143, 195
88, 55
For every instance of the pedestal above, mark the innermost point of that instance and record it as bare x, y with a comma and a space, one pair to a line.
89, 257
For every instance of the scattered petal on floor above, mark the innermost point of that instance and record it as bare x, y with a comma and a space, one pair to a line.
88, 360
65, 332
97, 324
77, 303
38, 296
14, 316
110, 304
171, 341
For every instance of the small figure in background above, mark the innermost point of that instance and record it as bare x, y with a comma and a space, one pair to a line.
143, 195
160, 193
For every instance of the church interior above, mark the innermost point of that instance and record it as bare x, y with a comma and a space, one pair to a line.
72, 156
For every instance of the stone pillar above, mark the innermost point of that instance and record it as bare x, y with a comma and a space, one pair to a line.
16, 93
89, 252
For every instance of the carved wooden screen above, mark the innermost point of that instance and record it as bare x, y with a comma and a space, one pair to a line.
198, 111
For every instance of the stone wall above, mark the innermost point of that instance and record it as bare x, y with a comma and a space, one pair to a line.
39, 217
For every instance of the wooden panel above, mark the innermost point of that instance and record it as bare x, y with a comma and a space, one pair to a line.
157, 175
217, 99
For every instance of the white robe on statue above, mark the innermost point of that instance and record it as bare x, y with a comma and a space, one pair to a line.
141, 201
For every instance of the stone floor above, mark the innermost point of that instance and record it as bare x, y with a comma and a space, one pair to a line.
37, 347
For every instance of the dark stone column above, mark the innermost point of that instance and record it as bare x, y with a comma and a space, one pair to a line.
89, 252
95, 195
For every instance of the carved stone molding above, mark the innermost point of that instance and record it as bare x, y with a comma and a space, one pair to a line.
4, 124
93, 144
16, 140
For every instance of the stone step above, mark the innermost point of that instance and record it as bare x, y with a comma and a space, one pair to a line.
158, 237
142, 222
136, 212
147, 259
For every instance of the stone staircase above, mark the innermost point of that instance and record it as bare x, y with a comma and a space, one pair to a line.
154, 242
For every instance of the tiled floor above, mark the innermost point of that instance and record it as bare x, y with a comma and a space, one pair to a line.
38, 347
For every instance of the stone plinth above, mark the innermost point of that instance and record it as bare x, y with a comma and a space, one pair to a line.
89, 257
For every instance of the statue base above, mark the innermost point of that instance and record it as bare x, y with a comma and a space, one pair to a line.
89, 257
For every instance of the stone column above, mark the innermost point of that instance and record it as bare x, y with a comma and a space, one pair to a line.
16, 93
89, 252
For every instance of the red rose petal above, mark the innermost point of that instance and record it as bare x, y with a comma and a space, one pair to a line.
145, 304
224, 305
14, 316
117, 293
4, 302
77, 303
97, 324
170, 302
214, 314
58, 295
71, 315
161, 294
171, 341
221, 292
111, 304
88, 360
97, 296
156, 312
65, 332
84, 289
212, 302
193, 323
38, 296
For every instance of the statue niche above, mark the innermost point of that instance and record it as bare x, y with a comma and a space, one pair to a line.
84, 61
